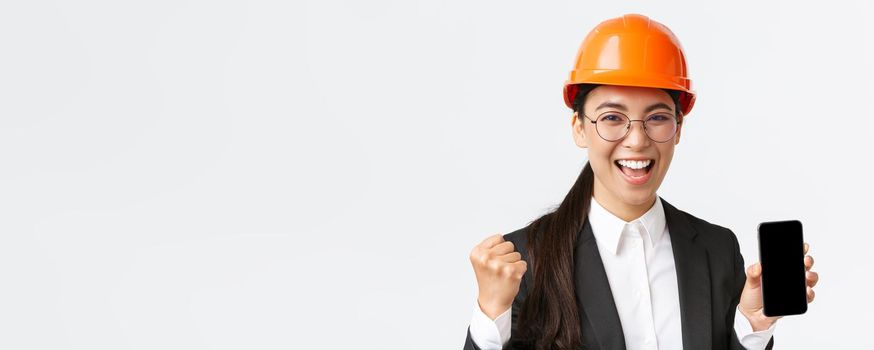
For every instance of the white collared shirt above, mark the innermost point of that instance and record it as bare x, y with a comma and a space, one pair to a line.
639, 263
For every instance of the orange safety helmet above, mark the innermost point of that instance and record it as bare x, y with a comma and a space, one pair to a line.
632, 50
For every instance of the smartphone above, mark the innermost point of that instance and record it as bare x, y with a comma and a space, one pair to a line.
781, 253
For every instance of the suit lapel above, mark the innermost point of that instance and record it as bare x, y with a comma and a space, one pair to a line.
693, 279
594, 296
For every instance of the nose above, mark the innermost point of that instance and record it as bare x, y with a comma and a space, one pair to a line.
636, 138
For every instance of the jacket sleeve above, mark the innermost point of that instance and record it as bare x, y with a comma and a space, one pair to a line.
740, 279
468, 343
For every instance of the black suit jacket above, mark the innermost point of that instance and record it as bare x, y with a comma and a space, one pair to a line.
710, 278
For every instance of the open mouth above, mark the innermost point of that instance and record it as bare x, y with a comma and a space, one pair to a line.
636, 172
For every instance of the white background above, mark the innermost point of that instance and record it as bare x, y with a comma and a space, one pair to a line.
296, 175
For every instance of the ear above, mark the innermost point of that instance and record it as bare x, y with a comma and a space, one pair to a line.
579, 132
679, 129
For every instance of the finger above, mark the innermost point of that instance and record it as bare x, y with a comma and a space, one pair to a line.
806, 248
810, 295
812, 278
492, 240
516, 269
754, 270
502, 248
511, 257
808, 262
754, 273
521, 263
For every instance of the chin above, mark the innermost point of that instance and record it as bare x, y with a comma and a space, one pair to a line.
637, 197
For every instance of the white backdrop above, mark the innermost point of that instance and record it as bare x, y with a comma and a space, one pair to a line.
296, 175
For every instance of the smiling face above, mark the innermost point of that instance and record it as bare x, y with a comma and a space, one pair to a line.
630, 170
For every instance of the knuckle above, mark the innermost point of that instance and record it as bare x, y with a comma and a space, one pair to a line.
474, 253
518, 273
507, 270
480, 259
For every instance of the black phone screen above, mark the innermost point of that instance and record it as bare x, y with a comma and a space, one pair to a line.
781, 253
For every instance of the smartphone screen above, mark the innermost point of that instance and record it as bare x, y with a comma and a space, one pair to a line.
781, 253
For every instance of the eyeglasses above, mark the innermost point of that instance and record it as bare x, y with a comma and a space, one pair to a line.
614, 126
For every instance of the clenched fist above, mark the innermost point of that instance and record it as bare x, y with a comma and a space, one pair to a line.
499, 270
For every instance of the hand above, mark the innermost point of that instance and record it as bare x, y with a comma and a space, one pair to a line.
751, 304
499, 272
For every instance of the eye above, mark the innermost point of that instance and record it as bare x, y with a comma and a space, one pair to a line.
660, 118
612, 118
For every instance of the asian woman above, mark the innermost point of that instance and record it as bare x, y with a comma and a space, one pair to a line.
615, 266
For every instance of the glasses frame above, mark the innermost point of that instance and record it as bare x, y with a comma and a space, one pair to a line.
677, 121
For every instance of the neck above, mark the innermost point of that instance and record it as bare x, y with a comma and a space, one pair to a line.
620, 208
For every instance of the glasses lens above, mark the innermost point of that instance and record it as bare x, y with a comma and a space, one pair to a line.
612, 125
661, 127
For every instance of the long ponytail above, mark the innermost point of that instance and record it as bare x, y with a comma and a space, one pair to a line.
549, 318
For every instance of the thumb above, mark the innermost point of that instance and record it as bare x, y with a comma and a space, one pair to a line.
754, 275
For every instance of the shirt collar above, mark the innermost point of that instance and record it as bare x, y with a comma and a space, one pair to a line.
609, 229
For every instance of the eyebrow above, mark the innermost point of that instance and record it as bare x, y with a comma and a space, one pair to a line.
622, 107
657, 106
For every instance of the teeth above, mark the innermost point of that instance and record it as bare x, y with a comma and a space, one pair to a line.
634, 164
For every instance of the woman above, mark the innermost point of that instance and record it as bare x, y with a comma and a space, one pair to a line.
614, 266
